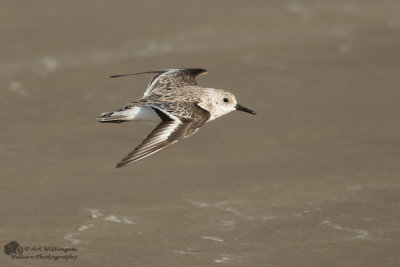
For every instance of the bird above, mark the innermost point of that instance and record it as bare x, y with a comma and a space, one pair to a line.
179, 106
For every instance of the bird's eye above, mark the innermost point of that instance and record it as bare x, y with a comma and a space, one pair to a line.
226, 100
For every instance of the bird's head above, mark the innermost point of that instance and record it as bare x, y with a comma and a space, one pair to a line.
224, 102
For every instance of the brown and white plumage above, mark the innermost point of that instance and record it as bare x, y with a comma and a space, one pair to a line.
183, 107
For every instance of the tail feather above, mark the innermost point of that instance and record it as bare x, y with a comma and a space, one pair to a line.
111, 117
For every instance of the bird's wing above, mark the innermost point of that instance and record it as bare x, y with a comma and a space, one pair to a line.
173, 78
169, 79
171, 129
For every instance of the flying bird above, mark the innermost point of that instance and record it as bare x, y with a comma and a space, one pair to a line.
173, 97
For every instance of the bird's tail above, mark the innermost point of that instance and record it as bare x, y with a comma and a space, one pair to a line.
112, 117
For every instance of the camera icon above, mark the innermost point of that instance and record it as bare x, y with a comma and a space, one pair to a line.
13, 248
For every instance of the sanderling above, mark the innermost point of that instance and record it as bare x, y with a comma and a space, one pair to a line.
183, 107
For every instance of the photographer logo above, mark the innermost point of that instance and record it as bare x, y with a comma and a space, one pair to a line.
13, 247
55, 253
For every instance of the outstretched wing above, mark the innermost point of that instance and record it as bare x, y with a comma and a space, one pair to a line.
170, 130
171, 78
174, 78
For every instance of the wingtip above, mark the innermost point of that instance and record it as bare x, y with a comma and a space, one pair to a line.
137, 73
196, 71
123, 163
122, 75
120, 165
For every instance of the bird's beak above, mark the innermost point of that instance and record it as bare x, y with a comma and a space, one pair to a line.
241, 108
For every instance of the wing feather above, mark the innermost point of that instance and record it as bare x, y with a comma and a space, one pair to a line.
169, 131
173, 78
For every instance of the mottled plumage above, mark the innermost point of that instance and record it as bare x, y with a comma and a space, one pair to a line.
183, 107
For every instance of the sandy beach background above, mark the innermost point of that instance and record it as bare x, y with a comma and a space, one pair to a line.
312, 180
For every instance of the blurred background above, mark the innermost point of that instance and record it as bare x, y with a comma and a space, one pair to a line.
312, 180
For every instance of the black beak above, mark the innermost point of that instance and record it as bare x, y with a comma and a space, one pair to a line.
241, 108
